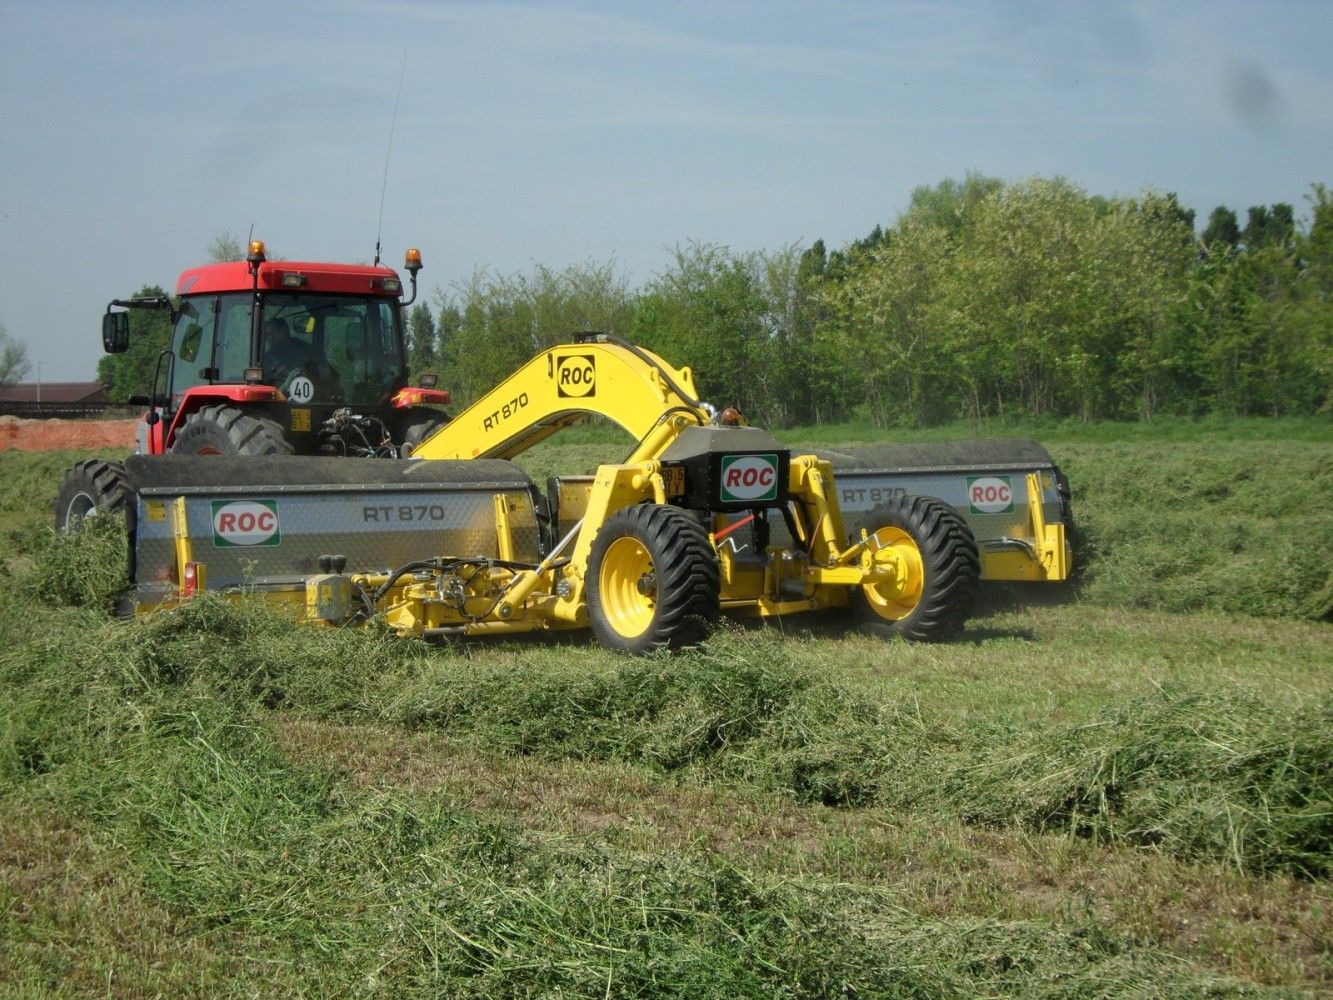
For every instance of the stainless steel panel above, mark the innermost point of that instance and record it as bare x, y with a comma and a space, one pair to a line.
860, 492
378, 530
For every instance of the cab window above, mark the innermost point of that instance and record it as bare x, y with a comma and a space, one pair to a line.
192, 345
233, 350
356, 339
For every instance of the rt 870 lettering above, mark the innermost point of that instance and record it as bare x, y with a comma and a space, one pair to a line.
510, 409
872, 495
397, 513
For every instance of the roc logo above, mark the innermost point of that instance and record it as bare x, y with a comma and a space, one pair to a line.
990, 495
749, 478
576, 375
245, 522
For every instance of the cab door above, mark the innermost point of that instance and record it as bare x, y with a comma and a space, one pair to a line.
192, 347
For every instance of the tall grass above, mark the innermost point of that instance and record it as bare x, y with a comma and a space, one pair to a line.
1240, 527
28, 484
1221, 774
86, 568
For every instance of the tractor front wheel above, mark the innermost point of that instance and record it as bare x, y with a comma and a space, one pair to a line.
88, 489
225, 430
653, 580
936, 569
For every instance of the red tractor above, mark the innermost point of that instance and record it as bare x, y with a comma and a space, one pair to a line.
271, 358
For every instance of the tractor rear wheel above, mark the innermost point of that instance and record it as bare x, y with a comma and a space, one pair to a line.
226, 430
418, 424
935, 555
88, 489
653, 580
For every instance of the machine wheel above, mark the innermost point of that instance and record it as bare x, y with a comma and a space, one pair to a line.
225, 430
653, 580
938, 570
88, 489
419, 423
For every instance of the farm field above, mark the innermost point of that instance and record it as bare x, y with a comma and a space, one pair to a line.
1119, 789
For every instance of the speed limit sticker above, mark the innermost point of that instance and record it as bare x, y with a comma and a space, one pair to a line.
302, 390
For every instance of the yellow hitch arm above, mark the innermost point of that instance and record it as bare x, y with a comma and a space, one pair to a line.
1052, 549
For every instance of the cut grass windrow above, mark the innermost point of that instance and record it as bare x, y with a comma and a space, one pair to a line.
335, 891
1223, 775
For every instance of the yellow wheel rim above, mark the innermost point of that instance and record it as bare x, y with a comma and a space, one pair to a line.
628, 587
897, 596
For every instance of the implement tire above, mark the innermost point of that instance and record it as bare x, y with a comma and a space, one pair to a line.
89, 489
941, 568
653, 580
226, 430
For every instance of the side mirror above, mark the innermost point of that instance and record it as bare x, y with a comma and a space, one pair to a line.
116, 332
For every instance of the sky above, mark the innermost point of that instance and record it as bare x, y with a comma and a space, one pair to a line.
133, 134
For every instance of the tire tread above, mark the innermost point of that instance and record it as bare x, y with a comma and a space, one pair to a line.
106, 481
248, 434
952, 569
689, 579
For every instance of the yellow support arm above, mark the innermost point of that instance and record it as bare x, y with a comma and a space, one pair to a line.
626, 384
1052, 546
180, 531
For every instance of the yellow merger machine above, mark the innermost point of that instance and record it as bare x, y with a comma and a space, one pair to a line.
705, 516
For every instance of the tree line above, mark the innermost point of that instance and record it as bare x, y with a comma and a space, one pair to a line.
982, 299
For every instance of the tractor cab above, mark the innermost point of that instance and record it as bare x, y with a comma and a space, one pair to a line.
283, 357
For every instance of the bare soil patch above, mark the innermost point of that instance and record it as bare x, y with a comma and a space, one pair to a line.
18, 434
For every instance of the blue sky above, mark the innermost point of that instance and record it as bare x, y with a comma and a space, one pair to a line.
556, 133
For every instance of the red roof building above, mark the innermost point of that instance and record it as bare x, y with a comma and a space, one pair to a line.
55, 393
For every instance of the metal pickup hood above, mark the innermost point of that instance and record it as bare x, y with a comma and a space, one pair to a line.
188, 474
975, 456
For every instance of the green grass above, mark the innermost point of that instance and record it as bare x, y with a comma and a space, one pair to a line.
1242, 527
177, 743
1179, 430
28, 484
1120, 794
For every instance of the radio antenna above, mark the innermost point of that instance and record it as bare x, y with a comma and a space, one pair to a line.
379, 226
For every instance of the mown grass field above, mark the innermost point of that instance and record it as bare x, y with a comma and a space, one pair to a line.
1120, 790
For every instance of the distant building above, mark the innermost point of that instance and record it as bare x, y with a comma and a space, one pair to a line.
55, 393
54, 399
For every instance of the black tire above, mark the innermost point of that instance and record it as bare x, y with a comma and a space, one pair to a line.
417, 424
653, 580
88, 489
939, 601
225, 430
